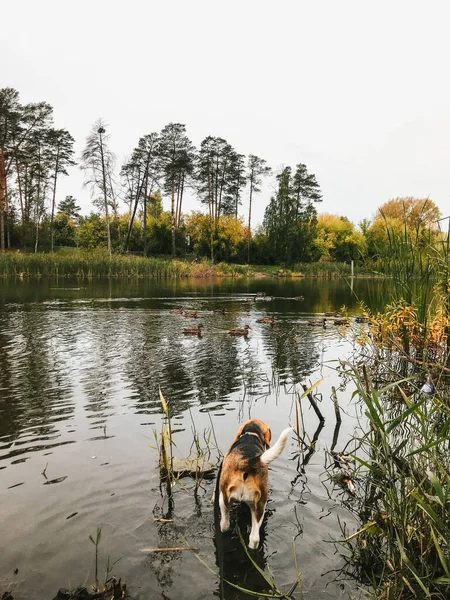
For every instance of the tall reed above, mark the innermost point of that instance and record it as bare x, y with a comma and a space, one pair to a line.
401, 549
98, 264
416, 321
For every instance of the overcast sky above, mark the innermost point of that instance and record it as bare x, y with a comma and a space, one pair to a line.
358, 91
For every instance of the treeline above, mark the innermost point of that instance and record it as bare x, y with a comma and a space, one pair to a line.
34, 155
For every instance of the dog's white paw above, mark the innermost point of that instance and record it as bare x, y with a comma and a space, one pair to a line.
253, 542
224, 525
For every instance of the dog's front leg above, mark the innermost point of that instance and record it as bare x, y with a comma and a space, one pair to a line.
224, 514
257, 519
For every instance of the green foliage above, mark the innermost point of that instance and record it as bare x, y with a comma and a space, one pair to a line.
337, 240
64, 230
154, 205
290, 219
159, 232
91, 232
230, 237
69, 207
401, 549
408, 218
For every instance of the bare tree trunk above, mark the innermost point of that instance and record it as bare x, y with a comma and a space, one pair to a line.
173, 218
145, 215
180, 193
138, 195
37, 218
178, 200
105, 196
133, 214
37, 236
52, 233
249, 221
211, 218
19, 183
7, 218
2, 200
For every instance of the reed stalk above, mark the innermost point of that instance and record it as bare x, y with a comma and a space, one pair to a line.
401, 549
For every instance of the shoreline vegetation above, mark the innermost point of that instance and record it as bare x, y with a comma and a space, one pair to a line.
99, 264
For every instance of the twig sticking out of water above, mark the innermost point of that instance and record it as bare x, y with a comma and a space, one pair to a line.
336, 405
169, 549
96, 543
313, 403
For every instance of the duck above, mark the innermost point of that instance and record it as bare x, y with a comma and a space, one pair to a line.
361, 319
300, 298
222, 311
260, 294
190, 315
178, 311
270, 320
194, 330
331, 314
428, 387
318, 323
341, 321
240, 330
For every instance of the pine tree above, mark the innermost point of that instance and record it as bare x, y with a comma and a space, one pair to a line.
69, 208
305, 189
60, 153
220, 178
142, 171
290, 217
17, 123
256, 169
177, 160
236, 182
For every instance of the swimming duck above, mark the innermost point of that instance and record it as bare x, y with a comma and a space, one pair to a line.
190, 315
331, 314
300, 298
341, 321
318, 323
428, 387
260, 294
220, 310
178, 311
240, 330
269, 320
361, 319
194, 330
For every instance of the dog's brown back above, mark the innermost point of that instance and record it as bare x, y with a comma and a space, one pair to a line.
244, 472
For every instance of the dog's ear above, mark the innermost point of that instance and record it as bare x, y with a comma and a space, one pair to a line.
266, 433
265, 430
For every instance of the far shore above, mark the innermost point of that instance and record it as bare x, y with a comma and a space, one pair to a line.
76, 263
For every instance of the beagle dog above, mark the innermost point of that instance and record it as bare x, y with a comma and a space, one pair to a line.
244, 473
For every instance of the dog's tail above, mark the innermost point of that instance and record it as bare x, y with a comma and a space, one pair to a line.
272, 453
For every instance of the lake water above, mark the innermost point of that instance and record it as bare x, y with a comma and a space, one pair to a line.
80, 367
